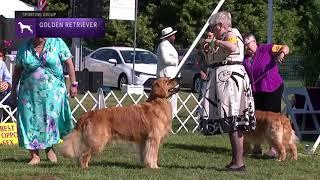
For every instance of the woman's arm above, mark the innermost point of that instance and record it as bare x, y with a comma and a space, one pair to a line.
280, 51
6, 77
277, 49
15, 81
284, 49
229, 43
72, 76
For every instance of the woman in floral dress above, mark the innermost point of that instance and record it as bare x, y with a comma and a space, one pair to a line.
229, 92
44, 114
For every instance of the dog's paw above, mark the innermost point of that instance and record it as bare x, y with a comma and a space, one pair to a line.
280, 159
153, 166
84, 167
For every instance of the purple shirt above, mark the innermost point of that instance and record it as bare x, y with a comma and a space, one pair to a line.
263, 70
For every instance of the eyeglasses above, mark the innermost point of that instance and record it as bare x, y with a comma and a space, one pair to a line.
246, 44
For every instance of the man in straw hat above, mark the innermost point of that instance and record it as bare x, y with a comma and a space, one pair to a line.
168, 59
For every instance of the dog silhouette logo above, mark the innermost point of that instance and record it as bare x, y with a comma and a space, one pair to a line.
23, 27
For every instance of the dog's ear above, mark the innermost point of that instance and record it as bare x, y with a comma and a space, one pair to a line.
158, 91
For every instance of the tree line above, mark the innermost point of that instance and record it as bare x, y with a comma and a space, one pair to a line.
295, 22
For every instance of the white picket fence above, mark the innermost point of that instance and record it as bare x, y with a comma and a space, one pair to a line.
185, 119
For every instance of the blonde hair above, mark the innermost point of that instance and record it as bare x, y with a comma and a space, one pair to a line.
222, 17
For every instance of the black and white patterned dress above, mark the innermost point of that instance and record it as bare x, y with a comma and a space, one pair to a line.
228, 103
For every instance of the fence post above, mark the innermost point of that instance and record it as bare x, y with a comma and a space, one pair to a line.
101, 103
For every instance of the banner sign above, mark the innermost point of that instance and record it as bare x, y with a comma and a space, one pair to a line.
39, 14
8, 134
122, 9
60, 27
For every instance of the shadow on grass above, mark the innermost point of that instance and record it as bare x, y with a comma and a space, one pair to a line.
9, 160
198, 148
117, 164
44, 163
48, 164
193, 167
262, 157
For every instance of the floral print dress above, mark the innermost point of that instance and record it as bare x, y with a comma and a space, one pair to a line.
228, 103
44, 114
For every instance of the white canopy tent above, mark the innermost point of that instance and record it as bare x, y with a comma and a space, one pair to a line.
11, 6
7, 25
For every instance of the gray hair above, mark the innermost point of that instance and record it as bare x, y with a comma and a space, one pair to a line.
222, 17
249, 37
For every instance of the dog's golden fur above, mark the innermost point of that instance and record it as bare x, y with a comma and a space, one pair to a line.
274, 129
145, 124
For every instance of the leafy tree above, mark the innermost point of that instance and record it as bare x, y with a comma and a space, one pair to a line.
53, 5
295, 21
121, 32
249, 16
311, 44
58, 5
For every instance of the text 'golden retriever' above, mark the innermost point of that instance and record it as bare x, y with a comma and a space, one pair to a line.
145, 124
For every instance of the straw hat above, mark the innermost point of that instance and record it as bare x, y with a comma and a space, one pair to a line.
166, 32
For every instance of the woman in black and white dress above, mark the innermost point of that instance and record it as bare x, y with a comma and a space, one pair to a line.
229, 95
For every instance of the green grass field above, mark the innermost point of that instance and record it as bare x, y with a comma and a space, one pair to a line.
183, 156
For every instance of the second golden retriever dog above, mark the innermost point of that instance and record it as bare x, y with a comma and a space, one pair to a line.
274, 129
145, 124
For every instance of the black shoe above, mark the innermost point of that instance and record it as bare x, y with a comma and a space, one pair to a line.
238, 169
228, 165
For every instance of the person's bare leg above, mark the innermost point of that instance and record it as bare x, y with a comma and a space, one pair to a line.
35, 158
236, 140
232, 151
51, 155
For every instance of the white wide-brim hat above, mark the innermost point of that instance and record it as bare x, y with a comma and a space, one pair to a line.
166, 32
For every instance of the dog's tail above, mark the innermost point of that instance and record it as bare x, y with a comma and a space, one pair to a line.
71, 144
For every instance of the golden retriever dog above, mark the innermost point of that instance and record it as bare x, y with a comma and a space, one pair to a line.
274, 129
145, 124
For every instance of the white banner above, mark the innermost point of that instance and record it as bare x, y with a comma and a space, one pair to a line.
122, 9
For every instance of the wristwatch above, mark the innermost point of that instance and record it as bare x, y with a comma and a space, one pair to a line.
74, 84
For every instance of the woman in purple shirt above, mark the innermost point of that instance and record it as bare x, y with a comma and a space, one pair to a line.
261, 63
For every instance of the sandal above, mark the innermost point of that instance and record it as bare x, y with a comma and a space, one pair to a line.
237, 169
228, 165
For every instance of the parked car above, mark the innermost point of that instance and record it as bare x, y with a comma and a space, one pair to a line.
116, 63
190, 71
